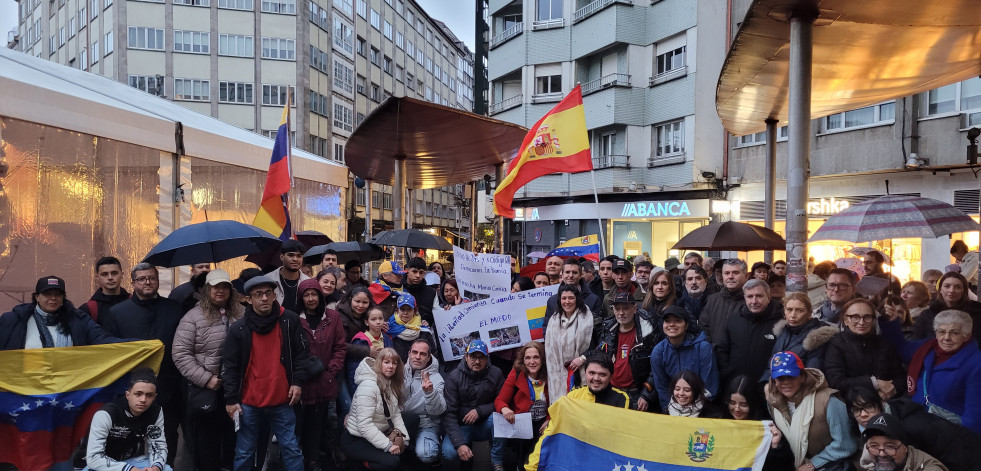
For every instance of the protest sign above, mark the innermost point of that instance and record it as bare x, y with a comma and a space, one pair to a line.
486, 274
502, 322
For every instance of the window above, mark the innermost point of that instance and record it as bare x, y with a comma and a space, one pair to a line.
109, 43
387, 201
145, 38
410, 81
399, 40
607, 141
235, 45
437, 72
375, 93
362, 85
760, 137
363, 9
548, 84
343, 77
399, 71
343, 117
108, 4
360, 195
318, 60
375, 19
420, 56
71, 27
192, 41
339, 156
94, 50
346, 6
83, 60
236, 4
235, 92
275, 95
868, 116
549, 10
410, 49
318, 16
83, 18
956, 97
400, 6
193, 3
343, 36
375, 57
669, 139
61, 36
192, 89
361, 47
360, 118
279, 6
429, 93
511, 20
429, 35
387, 31
375, 199
52, 45
387, 65
319, 104
278, 48
152, 84
410, 17
94, 9
318, 145
671, 60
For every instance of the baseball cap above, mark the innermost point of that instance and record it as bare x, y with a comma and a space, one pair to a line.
406, 299
257, 281
758, 265
677, 311
672, 263
622, 264
292, 246
885, 424
217, 276
477, 346
391, 267
623, 298
785, 364
48, 283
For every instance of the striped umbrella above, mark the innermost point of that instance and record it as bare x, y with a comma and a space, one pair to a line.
895, 217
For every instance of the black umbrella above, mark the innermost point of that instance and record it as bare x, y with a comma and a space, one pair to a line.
737, 236
411, 238
210, 242
269, 260
346, 251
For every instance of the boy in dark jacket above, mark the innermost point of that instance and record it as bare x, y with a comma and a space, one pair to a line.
470, 391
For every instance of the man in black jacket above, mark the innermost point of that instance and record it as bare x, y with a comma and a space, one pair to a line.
144, 316
628, 340
470, 391
414, 283
264, 361
109, 277
745, 347
725, 303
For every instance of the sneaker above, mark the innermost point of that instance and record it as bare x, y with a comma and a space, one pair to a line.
498, 467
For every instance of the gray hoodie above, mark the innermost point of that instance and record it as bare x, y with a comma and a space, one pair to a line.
428, 406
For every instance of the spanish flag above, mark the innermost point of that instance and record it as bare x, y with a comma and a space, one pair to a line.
556, 143
49, 395
584, 435
274, 214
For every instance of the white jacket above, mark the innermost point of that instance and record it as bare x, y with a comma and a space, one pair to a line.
367, 418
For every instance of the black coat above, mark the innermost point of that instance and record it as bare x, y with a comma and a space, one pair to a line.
853, 359
718, 307
82, 329
103, 303
745, 347
155, 318
923, 327
467, 390
955, 446
425, 295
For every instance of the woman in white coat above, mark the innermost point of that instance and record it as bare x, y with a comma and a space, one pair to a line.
374, 432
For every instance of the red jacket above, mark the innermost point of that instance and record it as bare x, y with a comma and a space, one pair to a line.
515, 394
328, 343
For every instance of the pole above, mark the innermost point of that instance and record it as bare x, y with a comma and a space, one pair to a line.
498, 219
770, 199
398, 194
473, 216
367, 210
599, 215
798, 171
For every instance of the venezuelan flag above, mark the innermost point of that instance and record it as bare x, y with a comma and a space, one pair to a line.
274, 215
556, 143
583, 435
49, 395
586, 246
536, 319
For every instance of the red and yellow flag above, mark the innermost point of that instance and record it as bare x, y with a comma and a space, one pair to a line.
556, 143
274, 215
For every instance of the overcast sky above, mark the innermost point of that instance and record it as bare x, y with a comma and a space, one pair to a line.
458, 14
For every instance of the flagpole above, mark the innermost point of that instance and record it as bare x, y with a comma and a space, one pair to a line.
289, 137
599, 215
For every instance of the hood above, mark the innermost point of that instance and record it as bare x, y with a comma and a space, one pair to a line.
816, 332
365, 371
463, 367
691, 340
432, 369
309, 284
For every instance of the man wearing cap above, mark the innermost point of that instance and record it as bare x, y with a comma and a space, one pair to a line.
264, 361
760, 271
683, 350
671, 265
415, 284
572, 276
808, 412
470, 391
886, 448
747, 341
289, 276
145, 316
387, 287
49, 320
622, 272
728, 301
186, 289
108, 277
628, 340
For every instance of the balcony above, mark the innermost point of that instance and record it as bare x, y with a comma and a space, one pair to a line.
669, 75
507, 34
546, 97
663, 160
594, 7
507, 104
548, 24
611, 80
611, 161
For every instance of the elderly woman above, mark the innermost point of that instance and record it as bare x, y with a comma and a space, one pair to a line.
945, 371
801, 333
916, 295
860, 356
952, 293
808, 413
568, 338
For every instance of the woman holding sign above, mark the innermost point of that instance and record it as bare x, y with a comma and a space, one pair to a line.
568, 337
526, 391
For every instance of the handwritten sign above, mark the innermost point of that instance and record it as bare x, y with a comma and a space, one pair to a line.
482, 273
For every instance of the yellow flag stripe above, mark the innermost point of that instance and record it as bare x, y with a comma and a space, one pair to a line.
568, 126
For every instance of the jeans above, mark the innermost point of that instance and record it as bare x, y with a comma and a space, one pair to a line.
425, 438
282, 422
344, 397
478, 432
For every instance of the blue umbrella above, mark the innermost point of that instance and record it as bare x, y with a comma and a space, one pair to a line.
211, 241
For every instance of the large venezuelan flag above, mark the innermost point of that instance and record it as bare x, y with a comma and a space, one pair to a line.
586, 246
274, 214
556, 143
49, 395
583, 435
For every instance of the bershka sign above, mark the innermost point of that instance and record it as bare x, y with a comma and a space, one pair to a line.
658, 209
827, 206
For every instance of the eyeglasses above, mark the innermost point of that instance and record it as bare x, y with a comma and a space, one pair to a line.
146, 279
867, 319
870, 409
888, 449
262, 294
948, 333
837, 286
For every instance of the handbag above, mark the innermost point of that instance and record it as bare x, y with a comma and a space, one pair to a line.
395, 435
201, 400
935, 409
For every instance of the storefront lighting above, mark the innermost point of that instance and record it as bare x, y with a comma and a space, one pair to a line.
721, 207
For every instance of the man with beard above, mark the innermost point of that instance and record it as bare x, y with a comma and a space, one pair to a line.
553, 268
695, 292
642, 275
330, 259
109, 278
415, 284
628, 341
748, 339
886, 448
839, 288
289, 276
728, 301
872, 262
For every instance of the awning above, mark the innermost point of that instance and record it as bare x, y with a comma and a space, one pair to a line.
442, 145
865, 52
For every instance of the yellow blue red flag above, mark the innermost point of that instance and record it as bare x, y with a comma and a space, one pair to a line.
585, 246
556, 143
584, 435
48, 396
274, 214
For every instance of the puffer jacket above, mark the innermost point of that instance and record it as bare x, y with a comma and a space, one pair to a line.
694, 354
198, 343
718, 308
468, 390
367, 417
809, 342
745, 347
854, 359
428, 406
648, 335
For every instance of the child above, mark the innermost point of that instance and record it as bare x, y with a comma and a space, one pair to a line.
405, 326
374, 336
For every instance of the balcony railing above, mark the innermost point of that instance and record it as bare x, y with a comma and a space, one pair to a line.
507, 34
669, 75
507, 104
594, 7
658, 161
548, 24
612, 80
610, 161
546, 97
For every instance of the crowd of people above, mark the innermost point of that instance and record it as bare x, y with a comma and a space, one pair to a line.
337, 369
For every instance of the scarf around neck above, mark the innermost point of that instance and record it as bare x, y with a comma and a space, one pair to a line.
44, 320
678, 410
262, 324
916, 364
405, 330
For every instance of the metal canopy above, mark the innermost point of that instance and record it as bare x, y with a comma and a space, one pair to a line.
865, 52
442, 146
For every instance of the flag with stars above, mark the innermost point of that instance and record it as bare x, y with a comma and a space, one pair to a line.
48, 396
585, 435
585, 246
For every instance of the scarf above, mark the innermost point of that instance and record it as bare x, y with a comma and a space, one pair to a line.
919, 358
678, 410
797, 429
262, 324
44, 320
568, 337
380, 291
405, 330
